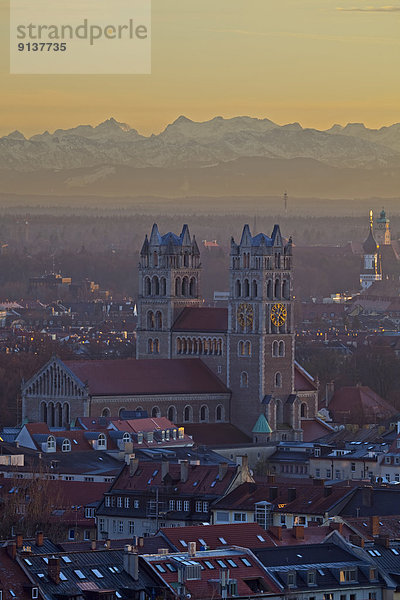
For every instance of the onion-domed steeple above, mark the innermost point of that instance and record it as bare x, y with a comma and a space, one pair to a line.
371, 270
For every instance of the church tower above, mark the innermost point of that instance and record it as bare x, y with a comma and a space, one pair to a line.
261, 334
382, 229
169, 280
371, 268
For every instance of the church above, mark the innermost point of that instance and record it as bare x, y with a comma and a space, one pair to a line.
196, 364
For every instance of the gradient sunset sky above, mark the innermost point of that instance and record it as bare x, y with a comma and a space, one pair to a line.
318, 62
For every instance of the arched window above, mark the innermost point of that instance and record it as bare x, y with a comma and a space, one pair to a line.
186, 259
171, 414
65, 413
219, 347
50, 414
247, 348
43, 412
163, 284
105, 412
178, 286
219, 413
275, 348
254, 291
156, 346
155, 259
192, 287
101, 441
178, 345
185, 286
269, 289
126, 438
155, 285
66, 446
277, 289
159, 319
51, 443
184, 346
150, 346
150, 320
121, 412
281, 348
244, 379
238, 289
241, 348
285, 289
246, 288
303, 410
279, 411
187, 414
278, 380
155, 412
204, 413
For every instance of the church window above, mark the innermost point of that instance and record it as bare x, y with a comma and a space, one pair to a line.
275, 348
247, 348
66, 446
155, 286
178, 286
163, 283
184, 346
158, 320
241, 348
219, 347
192, 287
244, 379
155, 259
150, 320
204, 413
277, 289
285, 290
185, 286
187, 414
246, 288
238, 289
186, 259
43, 412
150, 346
303, 410
156, 346
155, 412
219, 413
105, 412
278, 380
171, 414
178, 345
255, 289
281, 348
269, 289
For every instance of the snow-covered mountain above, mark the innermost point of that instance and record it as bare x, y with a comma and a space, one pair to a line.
185, 143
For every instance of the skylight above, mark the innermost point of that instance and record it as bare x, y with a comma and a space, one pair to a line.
46, 560
396, 552
66, 559
79, 573
184, 544
97, 573
160, 568
221, 564
231, 562
62, 576
171, 567
209, 564
118, 595
28, 562
320, 571
12, 593
202, 542
246, 562
222, 540
260, 537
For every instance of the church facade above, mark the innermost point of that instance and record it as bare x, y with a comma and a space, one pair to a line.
196, 363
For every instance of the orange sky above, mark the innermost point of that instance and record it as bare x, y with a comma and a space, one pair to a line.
317, 62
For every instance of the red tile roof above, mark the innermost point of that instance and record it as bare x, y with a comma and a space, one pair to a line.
146, 377
12, 577
241, 534
303, 382
359, 404
314, 429
216, 434
202, 320
148, 475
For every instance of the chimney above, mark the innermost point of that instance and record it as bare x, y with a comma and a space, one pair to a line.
367, 496
163, 551
329, 391
356, 540
53, 569
374, 524
276, 531
164, 468
131, 562
335, 526
141, 542
222, 470
292, 493
39, 538
19, 540
12, 550
133, 466
383, 540
184, 471
192, 549
93, 545
273, 493
298, 532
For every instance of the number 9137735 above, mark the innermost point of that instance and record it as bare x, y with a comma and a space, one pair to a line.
42, 47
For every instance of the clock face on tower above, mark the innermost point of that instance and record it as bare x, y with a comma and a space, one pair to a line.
278, 314
245, 315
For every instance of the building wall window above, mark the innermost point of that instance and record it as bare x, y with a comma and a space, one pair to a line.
204, 413
244, 380
278, 380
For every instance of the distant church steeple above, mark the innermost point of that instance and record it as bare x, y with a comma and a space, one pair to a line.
371, 269
382, 229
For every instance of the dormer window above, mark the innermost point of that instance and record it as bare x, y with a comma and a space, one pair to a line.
126, 438
348, 575
101, 442
66, 446
51, 443
140, 437
311, 578
291, 579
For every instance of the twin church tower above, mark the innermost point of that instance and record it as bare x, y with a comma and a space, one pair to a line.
249, 346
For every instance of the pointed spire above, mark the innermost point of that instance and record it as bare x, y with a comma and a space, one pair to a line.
370, 246
246, 236
155, 237
145, 247
276, 236
195, 247
185, 236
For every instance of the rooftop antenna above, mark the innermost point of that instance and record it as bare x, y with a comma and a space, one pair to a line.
285, 202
